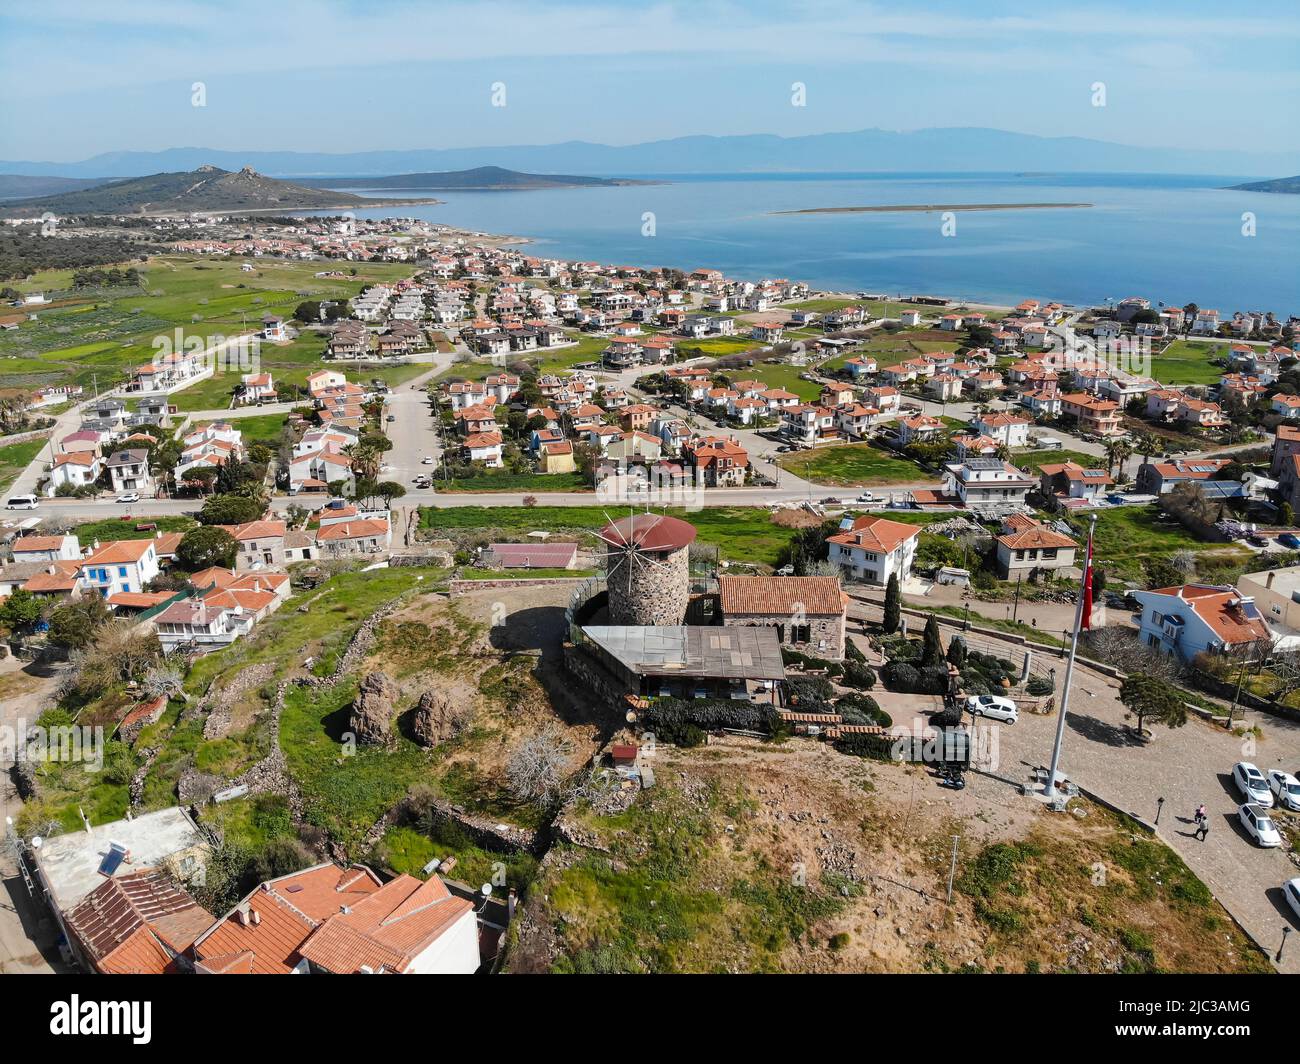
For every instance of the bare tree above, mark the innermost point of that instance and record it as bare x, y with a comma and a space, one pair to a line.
163, 681
1184, 561
535, 770
1121, 648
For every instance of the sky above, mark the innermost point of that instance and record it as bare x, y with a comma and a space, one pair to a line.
80, 78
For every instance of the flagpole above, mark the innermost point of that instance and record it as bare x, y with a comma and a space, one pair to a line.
1085, 588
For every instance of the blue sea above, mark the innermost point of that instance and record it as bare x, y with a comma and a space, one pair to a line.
1174, 239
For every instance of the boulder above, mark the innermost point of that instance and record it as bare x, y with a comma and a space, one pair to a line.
372, 712
434, 719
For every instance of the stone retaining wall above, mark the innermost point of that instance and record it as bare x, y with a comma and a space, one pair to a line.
461, 587
220, 703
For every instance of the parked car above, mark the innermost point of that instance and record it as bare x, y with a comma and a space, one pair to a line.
1115, 600
1252, 784
1289, 539
1285, 788
1291, 888
1258, 825
22, 502
129, 497
1257, 541
866, 496
994, 707
391, 418
427, 460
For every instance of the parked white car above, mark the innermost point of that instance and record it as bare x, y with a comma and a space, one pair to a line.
1291, 888
130, 496
1285, 788
1252, 784
1258, 825
994, 707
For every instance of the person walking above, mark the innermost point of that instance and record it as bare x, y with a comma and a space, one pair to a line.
1202, 827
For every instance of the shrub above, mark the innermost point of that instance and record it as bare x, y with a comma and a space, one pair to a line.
1039, 686
904, 677
707, 714
809, 691
862, 709
852, 651
859, 675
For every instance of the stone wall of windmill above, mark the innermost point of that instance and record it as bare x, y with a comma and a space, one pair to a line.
648, 587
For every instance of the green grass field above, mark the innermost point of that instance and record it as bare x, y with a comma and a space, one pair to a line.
1035, 460
854, 465
779, 375
261, 428
16, 457
103, 335
1127, 536
742, 533
1185, 362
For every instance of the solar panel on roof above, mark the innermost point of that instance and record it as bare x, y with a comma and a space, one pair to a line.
113, 859
1094, 472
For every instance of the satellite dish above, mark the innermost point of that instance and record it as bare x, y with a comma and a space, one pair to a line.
486, 890
36, 842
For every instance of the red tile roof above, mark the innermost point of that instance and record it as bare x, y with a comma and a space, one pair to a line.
125, 922
781, 595
875, 533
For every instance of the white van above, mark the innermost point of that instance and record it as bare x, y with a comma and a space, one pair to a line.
22, 502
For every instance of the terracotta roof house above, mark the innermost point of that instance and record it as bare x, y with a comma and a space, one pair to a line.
1032, 545
872, 549
808, 612
336, 920
136, 924
1197, 618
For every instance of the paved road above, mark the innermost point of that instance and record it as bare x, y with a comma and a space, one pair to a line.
1185, 766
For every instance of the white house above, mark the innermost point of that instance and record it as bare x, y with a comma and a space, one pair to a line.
986, 482
77, 469
257, 387
1005, 428
57, 548
130, 471
121, 565
1194, 618
873, 549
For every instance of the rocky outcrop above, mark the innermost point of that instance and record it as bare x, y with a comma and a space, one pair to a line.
435, 720
372, 712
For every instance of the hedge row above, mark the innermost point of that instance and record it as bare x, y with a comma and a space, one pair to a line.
707, 713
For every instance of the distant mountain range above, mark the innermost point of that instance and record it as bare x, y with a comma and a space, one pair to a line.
207, 188
488, 178
14, 186
1278, 184
941, 150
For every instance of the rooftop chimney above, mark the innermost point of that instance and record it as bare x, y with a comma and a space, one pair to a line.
1269, 581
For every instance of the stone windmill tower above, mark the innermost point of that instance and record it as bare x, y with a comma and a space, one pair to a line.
647, 565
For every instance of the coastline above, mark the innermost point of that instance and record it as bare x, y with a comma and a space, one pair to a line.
927, 208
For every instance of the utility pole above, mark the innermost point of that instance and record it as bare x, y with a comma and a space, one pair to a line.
1015, 608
